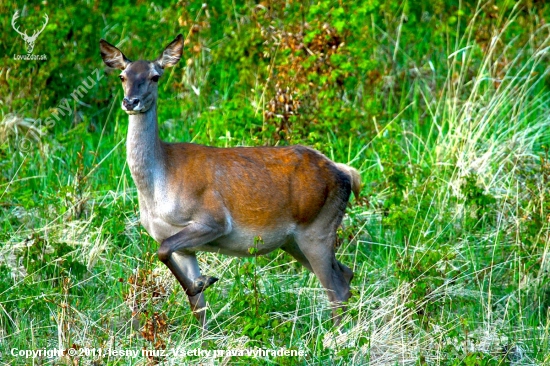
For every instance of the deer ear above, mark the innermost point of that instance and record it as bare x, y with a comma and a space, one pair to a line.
172, 53
112, 56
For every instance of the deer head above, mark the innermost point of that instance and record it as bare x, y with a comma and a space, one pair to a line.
28, 40
139, 78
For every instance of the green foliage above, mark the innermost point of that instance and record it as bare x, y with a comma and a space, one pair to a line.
441, 105
52, 262
477, 359
481, 202
249, 298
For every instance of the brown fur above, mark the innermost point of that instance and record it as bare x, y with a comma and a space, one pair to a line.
259, 186
198, 198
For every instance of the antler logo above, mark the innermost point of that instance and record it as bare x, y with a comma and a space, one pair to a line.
28, 40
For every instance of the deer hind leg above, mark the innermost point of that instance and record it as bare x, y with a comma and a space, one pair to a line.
346, 271
294, 250
317, 245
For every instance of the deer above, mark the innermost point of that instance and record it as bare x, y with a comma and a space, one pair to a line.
29, 40
195, 198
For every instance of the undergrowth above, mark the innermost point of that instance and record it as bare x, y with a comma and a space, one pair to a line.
442, 107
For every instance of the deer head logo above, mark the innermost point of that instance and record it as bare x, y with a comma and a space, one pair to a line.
28, 40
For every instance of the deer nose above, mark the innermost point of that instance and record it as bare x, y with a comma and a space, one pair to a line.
130, 103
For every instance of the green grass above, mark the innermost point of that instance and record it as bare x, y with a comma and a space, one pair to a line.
442, 107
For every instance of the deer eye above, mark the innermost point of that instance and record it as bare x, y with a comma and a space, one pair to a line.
155, 78
122, 78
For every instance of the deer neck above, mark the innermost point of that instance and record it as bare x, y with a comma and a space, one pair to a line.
144, 151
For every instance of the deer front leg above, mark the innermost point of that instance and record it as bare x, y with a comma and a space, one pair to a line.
175, 249
188, 262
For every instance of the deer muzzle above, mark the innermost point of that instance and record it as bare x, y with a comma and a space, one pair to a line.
131, 104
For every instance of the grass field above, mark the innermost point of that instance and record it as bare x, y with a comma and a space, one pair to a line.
443, 107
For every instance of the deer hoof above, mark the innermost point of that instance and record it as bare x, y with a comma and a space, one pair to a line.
200, 284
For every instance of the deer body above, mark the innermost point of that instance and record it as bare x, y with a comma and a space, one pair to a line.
271, 176
197, 198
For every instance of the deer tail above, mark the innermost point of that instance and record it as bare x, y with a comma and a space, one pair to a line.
354, 176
